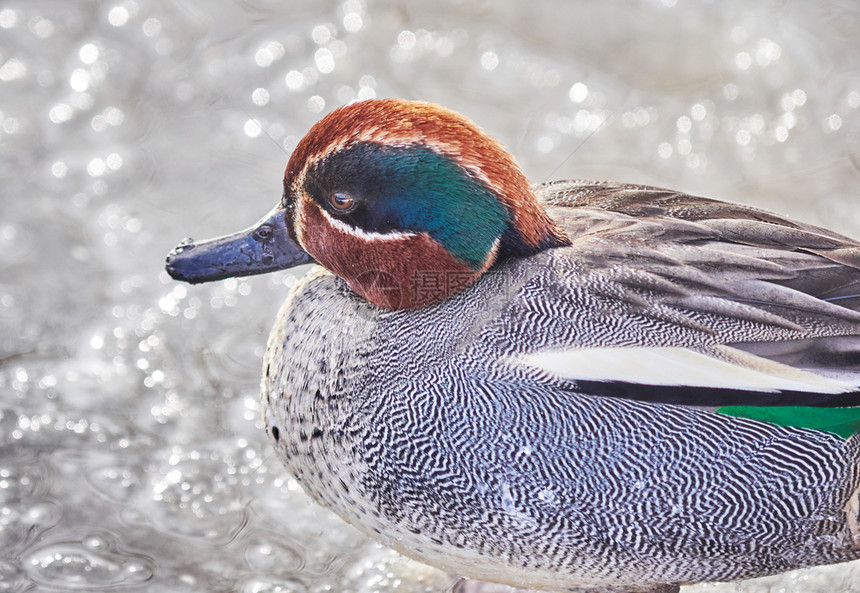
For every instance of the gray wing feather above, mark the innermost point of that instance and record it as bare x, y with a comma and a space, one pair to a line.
788, 291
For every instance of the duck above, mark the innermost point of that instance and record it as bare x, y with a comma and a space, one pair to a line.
572, 386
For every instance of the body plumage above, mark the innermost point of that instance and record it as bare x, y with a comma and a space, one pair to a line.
571, 403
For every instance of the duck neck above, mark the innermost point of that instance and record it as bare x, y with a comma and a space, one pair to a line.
530, 230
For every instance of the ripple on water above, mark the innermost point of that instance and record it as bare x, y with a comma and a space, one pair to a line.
22, 478
234, 356
91, 563
381, 569
20, 524
269, 553
196, 494
272, 586
114, 477
115, 483
13, 578
24, 514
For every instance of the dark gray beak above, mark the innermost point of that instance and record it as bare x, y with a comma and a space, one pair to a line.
265, 247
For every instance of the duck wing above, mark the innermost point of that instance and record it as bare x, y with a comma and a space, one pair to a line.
818, 262
672, 298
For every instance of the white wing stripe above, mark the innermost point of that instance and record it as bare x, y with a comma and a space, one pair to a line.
674, 366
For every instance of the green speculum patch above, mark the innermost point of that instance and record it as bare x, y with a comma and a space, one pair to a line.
844, 422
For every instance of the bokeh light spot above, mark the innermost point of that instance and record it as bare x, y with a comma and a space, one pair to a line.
578, 92
252, 128
89, 53
260, 96
12, 69
489, 60
316, 104
118, 16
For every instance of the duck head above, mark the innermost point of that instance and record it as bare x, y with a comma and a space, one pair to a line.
406, 201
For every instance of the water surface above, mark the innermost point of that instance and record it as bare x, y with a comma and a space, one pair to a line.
131, 456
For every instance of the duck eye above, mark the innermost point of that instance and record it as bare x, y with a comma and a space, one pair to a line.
341, 202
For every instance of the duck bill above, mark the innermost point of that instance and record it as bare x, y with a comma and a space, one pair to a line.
265, 247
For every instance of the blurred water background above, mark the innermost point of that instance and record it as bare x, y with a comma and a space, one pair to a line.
131, 455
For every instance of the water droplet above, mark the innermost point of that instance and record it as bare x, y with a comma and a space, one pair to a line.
507, 498
548, 496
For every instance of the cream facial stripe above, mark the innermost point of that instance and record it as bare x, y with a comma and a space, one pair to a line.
673, 366
361, 234
306, 201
